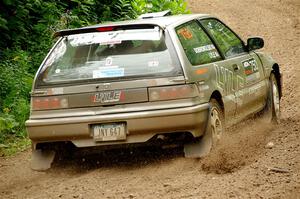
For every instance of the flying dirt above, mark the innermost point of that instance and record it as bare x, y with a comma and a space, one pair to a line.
254, 160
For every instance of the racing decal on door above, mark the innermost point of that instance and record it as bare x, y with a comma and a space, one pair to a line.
230, 83
251, 69
227, 80
250, 66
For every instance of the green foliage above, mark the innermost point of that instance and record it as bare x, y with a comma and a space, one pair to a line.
13, 144
124, 9
26, 30
145, 6
15, 81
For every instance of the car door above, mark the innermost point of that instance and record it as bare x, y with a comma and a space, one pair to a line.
206, 64
248, 78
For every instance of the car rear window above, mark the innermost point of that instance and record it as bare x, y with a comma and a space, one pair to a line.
109, 55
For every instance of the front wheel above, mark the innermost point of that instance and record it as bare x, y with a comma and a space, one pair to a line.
271, 112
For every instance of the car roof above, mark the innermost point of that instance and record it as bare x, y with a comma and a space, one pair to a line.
160, 21
163, 22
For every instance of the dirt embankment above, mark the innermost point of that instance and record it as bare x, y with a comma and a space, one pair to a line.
242, 167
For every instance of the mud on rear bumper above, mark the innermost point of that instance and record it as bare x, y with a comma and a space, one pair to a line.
141, 126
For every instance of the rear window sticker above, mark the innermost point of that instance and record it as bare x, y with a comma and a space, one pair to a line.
153, 63
106, 72
250, 66
57, 70
185, 33
108, 61
205, 48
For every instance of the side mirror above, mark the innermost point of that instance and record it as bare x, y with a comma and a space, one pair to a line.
255, 43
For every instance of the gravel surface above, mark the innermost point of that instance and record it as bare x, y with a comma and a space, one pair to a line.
254, 161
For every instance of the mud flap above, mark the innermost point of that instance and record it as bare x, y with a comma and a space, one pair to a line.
202, 147
41, 160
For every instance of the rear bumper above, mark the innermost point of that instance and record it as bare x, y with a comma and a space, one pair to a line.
141, 126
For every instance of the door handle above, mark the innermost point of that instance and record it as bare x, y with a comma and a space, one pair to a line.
235, 67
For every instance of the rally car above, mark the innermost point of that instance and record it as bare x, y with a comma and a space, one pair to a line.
156, 77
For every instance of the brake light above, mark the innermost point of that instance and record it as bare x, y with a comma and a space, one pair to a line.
46, 103
105, 29
172, 92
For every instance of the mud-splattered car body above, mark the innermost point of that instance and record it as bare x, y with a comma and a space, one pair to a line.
135, 81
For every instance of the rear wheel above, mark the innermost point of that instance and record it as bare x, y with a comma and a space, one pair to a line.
212, 136
271, 112
216, 122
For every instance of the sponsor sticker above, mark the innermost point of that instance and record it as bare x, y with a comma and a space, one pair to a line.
106, 72
205, 48
250, 66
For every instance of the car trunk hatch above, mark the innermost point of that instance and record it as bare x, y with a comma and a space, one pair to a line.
97, 95
106, 68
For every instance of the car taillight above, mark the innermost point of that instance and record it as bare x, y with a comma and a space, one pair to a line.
46, 103
172, 92
105, 29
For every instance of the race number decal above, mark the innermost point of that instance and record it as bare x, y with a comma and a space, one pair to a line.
250, 66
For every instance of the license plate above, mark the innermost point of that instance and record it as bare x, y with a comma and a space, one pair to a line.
109, 132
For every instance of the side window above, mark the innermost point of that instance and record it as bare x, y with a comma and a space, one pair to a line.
197, 45
227, 41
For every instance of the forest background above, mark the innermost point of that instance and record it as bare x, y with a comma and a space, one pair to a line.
26, 35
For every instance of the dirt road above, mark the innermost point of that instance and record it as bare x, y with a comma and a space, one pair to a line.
243, 167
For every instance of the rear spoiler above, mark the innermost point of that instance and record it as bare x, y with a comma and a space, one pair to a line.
102, 28
155, 14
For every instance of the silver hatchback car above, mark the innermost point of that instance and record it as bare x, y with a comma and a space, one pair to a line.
152, 78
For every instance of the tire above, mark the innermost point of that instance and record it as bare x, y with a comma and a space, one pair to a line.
211, 138
217, 122
271, 112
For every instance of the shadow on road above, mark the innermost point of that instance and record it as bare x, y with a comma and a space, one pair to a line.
129, 158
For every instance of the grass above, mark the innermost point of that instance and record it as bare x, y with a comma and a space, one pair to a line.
14, 145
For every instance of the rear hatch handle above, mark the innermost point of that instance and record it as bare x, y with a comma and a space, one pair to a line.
179, 80
34, 93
